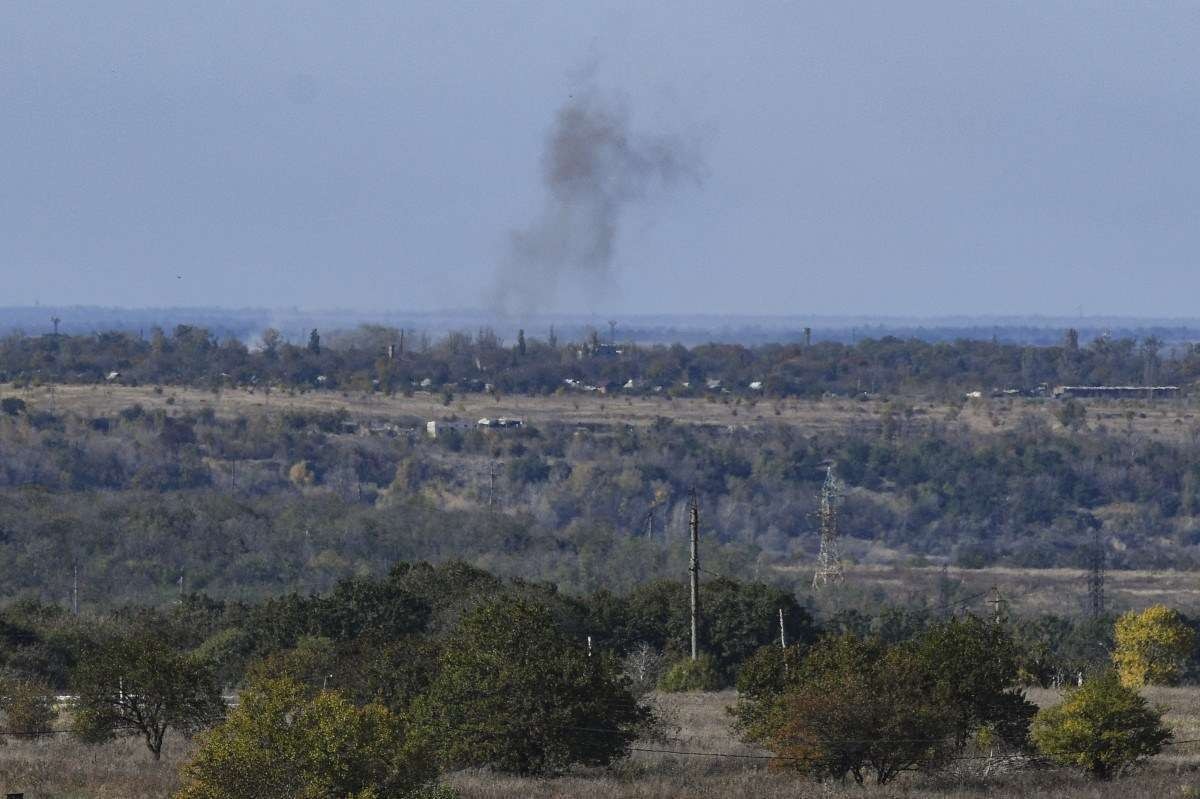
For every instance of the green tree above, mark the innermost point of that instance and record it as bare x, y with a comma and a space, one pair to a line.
1102, 727
1152, 647
763, 678
282, 742
975, 668
138, 685
514, 693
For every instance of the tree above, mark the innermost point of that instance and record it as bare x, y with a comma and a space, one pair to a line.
138, 685
1071, 414
762, 679
975, 663
1103, 727
301, 474
314, 342
281, 742
12, 406
861, 708
515, 694
1152, 647
271, 339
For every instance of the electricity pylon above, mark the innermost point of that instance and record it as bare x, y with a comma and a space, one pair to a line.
829, 560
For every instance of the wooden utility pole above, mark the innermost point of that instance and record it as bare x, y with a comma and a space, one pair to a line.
694, 526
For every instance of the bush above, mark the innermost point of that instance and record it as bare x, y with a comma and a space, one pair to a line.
29, 708
281, 742
691, 675
12, 406
1102, 727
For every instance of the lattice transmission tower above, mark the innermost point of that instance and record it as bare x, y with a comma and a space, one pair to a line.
829, 560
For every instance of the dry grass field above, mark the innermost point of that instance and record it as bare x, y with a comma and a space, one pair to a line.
702, 727
1164, 419
1025, 591
695, 758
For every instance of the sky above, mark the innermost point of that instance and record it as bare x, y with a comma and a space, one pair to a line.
842, 158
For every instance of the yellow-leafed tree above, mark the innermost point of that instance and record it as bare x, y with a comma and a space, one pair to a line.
1152, 646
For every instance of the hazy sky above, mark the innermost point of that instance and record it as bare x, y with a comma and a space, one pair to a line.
906, 158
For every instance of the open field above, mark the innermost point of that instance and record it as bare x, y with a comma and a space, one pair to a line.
62, 768
1166, 420
703, 728
1025, 591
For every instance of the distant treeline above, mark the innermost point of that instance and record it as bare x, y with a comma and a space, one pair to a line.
348, 629
389, 360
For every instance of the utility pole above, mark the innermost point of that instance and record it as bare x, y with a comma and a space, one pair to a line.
55, 320
75, 590
694, 568
1096, 563
612, 331
491, 483
829, 559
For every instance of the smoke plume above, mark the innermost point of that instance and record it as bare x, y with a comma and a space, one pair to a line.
593, 169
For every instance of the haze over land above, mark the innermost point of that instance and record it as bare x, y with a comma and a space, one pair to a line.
916, 161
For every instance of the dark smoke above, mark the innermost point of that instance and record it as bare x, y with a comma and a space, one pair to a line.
593, 169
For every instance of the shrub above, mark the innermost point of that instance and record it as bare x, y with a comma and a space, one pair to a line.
29, 707
1103, 727
282, 742
691, 675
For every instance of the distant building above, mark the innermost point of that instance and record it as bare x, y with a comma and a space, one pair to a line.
434, 428
1116, 392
